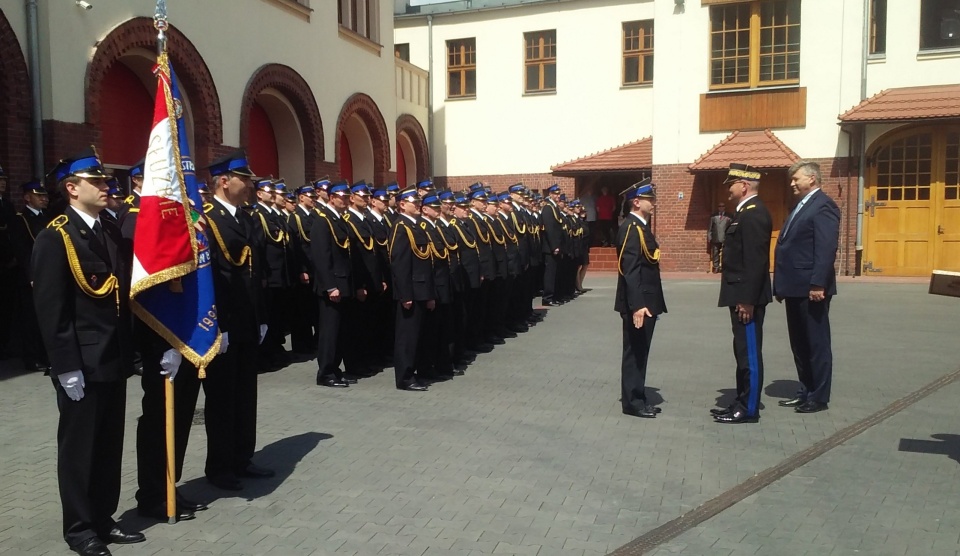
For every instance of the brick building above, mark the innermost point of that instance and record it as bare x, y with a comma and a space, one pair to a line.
556, 91
309, 88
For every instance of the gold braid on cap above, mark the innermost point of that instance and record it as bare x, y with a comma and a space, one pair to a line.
246, 254
110, 285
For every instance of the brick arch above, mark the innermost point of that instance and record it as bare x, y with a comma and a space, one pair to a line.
412, 128
292, 85
195, 80
15, 108
368, 112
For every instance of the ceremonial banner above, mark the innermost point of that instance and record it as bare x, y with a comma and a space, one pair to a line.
172, 286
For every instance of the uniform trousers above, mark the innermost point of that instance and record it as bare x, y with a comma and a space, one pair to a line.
633, 367
808, 324
475, 314
230, 410
550, 264
276, 321
433, 352
460, 323
748, 351
151, 427
303, 326
89, 455
333, 337
407, 338
30, 340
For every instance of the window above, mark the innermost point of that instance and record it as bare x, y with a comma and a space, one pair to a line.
939, 24
361, 17
402, 51
878, 26
755, 44
540, 61
462, 68
638, 52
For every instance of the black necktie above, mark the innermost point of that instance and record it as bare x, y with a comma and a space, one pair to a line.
98, 231
101, 244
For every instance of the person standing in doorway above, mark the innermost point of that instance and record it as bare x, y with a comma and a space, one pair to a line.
716, 233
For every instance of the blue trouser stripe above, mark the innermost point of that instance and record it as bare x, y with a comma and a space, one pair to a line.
753, 397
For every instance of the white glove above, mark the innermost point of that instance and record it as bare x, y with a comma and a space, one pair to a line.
73, 384
170, 363
224, 342
263, 332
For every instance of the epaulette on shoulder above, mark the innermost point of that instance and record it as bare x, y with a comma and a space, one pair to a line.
129, 200
58, 222
749, 207
133, 210
423, 225
207, 207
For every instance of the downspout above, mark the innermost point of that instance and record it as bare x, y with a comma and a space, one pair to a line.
862, 164
33, 59
430, 78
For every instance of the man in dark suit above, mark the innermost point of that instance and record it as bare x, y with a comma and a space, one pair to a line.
81, 276
334, 286
271, 232
23, 233
411, 264
639, 297
304, 325
805, 277
552, 246
435, 358
716, 232
745, 290
231, 385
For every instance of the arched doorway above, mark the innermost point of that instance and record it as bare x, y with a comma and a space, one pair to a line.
356, 160
912, 202
363, 145
132, 44
413, 161
280, 125
15, 137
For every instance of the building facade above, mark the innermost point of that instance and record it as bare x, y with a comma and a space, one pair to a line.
569, 91
308, 88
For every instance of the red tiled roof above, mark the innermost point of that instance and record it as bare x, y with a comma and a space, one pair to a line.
761, 149
625, 158
907, 103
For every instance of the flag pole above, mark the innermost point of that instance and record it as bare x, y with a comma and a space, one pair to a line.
160, 22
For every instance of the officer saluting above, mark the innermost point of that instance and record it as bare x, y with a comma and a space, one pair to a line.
81, 276
639, 296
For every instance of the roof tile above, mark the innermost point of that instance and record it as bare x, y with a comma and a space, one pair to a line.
907, 103
624, 158
761, 149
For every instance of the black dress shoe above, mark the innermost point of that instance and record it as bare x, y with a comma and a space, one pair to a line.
791, 403
225, 482
160, 513
811, 407
188, 504
737, 416
119, 536
457, 372
349, 379
495, 341
91, 547
254, 471
550, 304
718, 411
415, 387
331, 382
646, 412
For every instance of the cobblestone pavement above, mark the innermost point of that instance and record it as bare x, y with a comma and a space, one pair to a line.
529, 453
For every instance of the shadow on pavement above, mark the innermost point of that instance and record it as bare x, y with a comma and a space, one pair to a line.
653, 396
282, 456
727, 397
944, 444
785, 389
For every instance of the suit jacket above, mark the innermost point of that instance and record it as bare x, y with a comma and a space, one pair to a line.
511, 243
81, 331
552, 222
410, 262
448, 233
380, 227
746, 257
441, 261
638, 281
717, 231
271, 233
127, 215
23, 233
330, 252
469, 249
498, 245
301, 222
236, 277
805, 254
481, 232
367, 269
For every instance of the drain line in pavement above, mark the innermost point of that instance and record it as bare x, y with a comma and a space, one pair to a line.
714, 506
